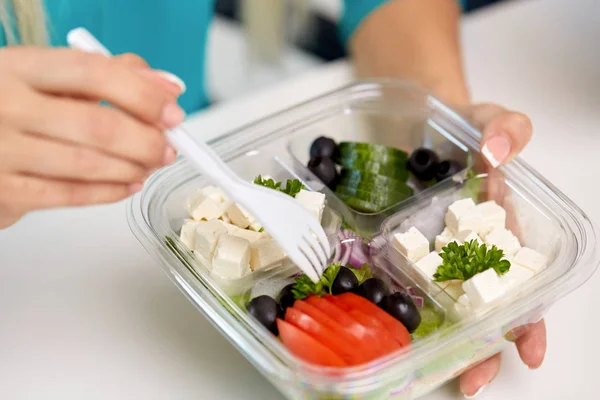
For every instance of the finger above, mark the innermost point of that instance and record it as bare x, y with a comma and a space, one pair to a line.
94, 76
32, 193
531, 345
172, 82
104, 128
505, 133
474, 381
37, 155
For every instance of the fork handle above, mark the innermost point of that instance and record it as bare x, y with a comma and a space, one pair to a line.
197, 152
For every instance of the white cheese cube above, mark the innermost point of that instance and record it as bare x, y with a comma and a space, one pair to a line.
483, 288
249, 235
412, 244
463, 215
453, 288
214, 193
467, 236
255, 226
515, 276
264, 253
504, 240
429, 264
207, 236
493, 217
312, 201
225, 219
239, 216
188, 233
205, 208
231, 259
464, 300
531, 259
444, 238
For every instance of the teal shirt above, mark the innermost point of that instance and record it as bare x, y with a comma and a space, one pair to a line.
170, 34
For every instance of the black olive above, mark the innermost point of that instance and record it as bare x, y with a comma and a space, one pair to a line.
373, 289
286, 298
345, 281
266, 311
323, 147
423, 164
401, 306
324, 168
446, 169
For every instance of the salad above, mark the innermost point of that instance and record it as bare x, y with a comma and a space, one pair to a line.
476, 258
353, 170
229, 241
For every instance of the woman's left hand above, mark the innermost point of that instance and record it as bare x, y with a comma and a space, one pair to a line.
505, 134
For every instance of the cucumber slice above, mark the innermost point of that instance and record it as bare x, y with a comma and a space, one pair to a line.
399, 173
369, 181
382, 198
365, 156
361, 205
347, 148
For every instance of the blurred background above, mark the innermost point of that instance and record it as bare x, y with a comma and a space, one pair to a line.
232, 71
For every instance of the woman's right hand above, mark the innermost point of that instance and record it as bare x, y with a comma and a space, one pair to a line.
60, 147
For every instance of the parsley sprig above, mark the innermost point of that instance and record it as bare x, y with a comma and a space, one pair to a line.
292, 186
305, 287
464, 261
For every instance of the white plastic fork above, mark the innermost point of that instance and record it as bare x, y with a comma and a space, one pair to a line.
294, 228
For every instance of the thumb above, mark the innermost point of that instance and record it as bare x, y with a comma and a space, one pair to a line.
505, 133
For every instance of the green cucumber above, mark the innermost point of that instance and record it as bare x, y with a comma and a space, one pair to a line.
382, 199
368, 181
361, 205
393, 171
345, 149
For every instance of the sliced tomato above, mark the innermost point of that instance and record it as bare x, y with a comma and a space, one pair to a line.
333, 323
327, 337
367, 336
303, 346
355, 302
385, 340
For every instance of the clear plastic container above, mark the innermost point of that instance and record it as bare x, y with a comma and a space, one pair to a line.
402, 115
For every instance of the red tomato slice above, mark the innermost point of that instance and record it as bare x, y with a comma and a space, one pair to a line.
396, 328
386, 341
327, 337
369, 341
307, 348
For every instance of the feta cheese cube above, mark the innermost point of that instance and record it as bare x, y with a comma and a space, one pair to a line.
483, 288
463, 215
531, 259
207, 236
255, 226
464, 300
504, 240
188, 233
215, 193
515, 276
231, 259
312, 201
493, 217
429, 264
205, 208
249, 235
225, 219
265, 252
239, 216
412, 244
444, 238
467, 236
453, 288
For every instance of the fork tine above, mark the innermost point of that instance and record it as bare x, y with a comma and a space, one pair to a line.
299, 258
319, 232
317, 248
307, 250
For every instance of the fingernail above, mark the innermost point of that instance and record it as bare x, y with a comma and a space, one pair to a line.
173, 79
172, 115
477, 393
170, 155
496, 150
135, 187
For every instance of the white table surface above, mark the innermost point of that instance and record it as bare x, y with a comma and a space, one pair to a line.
86, 313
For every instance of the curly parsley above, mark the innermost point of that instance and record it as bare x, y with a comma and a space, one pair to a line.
464, 261
292, 186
